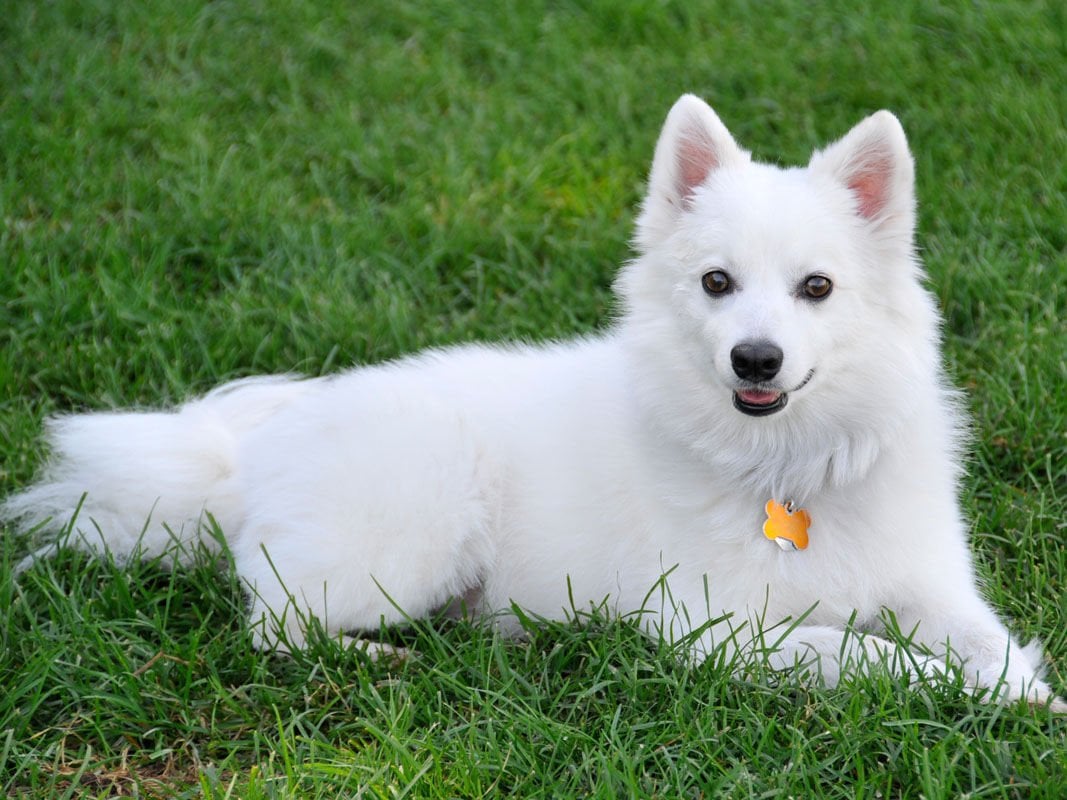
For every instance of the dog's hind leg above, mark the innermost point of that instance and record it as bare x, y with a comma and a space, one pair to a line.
377, 520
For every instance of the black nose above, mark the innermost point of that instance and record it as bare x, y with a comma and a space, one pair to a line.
756, 361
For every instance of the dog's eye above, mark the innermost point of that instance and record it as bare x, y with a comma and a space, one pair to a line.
817, 287
716, 282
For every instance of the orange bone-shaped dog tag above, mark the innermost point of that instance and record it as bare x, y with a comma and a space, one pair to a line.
786, 527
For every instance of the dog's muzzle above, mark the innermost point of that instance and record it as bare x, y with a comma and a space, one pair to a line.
762, 402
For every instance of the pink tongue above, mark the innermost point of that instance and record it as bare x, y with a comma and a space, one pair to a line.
754, 398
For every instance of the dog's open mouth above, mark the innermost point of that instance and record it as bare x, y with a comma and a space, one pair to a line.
757, 402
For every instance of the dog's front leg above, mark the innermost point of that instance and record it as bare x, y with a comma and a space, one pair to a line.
822, 654
970, 635
828, 654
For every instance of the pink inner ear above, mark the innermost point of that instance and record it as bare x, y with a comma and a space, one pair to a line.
870, 184
696, 160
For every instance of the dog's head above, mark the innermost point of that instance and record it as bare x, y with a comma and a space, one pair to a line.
778, 297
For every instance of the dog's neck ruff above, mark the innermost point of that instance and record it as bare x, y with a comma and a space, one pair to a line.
786, 526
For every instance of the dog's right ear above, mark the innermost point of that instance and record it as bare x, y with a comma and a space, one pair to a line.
693, 144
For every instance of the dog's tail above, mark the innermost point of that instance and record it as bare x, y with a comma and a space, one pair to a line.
143, 482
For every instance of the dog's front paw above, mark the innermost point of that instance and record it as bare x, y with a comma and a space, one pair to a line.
1057, 705
379, 652
1040, 697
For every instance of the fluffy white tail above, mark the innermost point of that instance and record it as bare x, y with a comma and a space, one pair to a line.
142, 481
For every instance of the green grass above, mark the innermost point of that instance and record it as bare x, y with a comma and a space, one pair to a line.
191, 192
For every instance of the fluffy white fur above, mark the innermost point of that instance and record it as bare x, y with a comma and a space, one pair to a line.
590, 469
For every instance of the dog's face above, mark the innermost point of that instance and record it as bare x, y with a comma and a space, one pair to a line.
764, 284
767, 295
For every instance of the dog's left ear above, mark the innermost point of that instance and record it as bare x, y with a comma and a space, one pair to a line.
874, 163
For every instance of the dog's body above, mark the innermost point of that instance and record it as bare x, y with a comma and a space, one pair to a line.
774, 344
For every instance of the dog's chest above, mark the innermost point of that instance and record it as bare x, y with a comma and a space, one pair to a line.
836, 571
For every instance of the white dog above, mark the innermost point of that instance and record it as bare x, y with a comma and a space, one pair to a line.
765, 433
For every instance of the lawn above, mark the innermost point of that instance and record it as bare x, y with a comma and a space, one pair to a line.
191, 192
